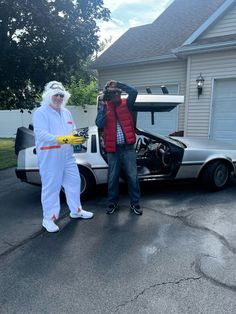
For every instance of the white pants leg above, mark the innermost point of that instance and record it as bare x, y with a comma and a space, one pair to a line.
71, 184
50, 196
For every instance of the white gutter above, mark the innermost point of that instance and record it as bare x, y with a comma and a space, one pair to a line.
205, 48
159, 59
186, 109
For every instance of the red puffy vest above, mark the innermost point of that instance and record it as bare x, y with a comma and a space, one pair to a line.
126, 122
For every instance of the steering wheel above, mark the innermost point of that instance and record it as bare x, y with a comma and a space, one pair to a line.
138, 145
163, 152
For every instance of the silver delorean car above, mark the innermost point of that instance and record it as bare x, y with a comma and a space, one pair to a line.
158, 157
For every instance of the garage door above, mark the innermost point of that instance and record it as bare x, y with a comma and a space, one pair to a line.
223, 124
165, 122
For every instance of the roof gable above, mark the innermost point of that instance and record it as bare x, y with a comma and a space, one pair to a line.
209, 22
223, 26
169, 31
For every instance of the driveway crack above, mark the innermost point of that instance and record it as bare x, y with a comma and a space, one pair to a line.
221, 238
184, 220
199, 270
8, 243
176, 282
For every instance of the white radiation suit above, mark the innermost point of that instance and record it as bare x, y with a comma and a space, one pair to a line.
56, 162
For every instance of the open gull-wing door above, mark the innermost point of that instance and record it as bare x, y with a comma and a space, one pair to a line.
152, 103
156, 103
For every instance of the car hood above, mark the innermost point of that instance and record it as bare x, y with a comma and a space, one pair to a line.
200, 143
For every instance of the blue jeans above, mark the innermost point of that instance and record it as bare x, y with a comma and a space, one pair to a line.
125, 156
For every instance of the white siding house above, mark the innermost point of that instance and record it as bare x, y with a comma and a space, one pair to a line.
172, 75
213, 66
226, 25
190, 38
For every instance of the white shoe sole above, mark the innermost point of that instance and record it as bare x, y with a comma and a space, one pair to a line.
50, 231
80, 217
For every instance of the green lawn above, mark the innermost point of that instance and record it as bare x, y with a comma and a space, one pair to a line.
7, 153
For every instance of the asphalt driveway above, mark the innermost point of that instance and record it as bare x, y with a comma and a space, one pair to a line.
179, 257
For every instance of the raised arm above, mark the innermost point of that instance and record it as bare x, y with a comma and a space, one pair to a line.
132, 94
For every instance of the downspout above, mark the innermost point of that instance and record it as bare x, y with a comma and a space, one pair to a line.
187, 96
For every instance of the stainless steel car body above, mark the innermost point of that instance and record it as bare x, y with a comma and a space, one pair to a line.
193, 156
199, 152
92, 158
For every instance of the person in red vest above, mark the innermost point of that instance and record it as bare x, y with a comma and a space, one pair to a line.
116, 119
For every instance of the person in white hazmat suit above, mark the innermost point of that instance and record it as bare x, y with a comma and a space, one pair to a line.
54, 136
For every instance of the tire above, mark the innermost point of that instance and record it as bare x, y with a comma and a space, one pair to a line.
87, 182
215, 176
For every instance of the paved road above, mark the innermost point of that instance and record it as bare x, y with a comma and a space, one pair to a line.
179, 257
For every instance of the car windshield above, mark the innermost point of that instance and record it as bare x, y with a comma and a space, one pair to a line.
174, 140
161, 137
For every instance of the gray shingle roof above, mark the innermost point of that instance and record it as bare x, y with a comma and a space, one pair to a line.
168, 31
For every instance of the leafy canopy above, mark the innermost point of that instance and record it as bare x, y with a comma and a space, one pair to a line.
44, 40
82, 93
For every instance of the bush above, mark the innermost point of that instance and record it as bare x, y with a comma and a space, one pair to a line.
82, 93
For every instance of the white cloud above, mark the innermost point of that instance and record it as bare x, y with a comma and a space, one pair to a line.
112, 29
129, 13
133, 22
155, 4
114, 5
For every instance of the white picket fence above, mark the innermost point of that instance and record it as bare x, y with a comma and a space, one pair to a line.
10, 120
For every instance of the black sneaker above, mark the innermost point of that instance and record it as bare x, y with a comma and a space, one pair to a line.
136, 209
111, 208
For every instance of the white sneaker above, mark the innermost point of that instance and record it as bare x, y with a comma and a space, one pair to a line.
82, 214
50, 225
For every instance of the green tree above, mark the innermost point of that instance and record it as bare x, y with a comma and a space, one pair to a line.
82, 93
43, 40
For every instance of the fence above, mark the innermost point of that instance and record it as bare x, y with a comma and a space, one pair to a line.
10, 120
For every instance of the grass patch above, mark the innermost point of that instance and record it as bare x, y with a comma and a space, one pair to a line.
7, 153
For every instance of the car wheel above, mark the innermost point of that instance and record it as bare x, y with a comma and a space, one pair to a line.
87, 182
215, 176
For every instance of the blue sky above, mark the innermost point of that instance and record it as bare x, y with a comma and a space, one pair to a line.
130, 13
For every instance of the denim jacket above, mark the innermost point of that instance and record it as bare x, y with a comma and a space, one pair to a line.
101, 114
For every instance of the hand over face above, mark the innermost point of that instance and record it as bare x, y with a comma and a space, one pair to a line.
111, 84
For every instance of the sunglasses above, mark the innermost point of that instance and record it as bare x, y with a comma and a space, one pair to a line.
61, 95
